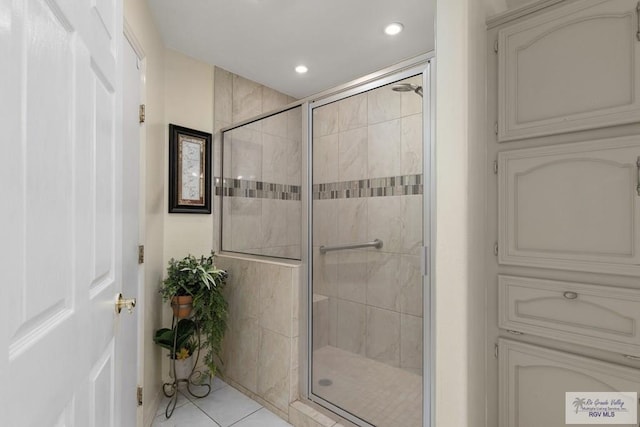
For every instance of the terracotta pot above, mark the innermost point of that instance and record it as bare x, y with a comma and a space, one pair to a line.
182, 306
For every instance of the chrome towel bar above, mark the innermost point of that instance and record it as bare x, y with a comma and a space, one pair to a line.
377, 243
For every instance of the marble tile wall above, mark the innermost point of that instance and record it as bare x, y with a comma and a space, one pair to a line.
261, 211
260, 349
374, 296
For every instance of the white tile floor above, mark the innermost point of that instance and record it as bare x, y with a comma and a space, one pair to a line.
224, 407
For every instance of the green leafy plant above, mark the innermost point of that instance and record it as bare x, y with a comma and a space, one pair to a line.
185, 341
189, 276
200, 278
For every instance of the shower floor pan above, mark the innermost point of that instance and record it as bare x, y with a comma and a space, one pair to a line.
382, 395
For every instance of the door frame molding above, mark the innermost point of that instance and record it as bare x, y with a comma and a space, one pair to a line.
136, 45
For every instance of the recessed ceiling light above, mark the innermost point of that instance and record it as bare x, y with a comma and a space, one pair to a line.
301, 69
393, 28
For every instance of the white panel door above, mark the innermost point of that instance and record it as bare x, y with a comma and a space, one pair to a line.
571, 206
574, 67
61, 220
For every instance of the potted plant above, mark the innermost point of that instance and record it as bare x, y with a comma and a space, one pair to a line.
184, 277
181, 342
203, 281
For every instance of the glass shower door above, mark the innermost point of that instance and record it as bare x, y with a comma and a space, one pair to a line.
367, 243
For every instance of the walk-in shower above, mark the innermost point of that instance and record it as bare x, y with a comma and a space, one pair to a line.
343, 183
367, 252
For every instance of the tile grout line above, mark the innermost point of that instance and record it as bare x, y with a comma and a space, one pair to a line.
202, 410
247, 416
208, 416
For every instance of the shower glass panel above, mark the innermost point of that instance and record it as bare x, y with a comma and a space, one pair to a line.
261, 207
367, 241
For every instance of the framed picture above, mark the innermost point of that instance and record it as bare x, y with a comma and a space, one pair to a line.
189, 170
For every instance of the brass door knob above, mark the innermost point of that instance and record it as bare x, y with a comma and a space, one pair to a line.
128, 303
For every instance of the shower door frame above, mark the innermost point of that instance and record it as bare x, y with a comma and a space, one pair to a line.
424, 65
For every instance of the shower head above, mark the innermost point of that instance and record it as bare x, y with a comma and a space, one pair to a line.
407, 87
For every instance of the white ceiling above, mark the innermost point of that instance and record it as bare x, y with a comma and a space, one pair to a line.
263, 40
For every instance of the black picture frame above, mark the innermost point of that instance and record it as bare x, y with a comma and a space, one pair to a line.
189, 170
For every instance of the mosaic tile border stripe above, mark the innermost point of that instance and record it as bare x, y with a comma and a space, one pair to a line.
403, 185
232, 187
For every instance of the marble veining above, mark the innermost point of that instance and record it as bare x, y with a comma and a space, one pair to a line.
263, 329
383, 149
352, 155
383, 336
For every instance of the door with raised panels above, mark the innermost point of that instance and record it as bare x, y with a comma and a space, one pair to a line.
571, 206
575, 67
61, 220
534, 380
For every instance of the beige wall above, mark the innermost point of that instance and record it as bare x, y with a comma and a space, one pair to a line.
451, 269
188, 102
460, 310
188, 90
138, 17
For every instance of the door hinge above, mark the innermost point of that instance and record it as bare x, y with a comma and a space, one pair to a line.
495, 248
495, 350
141, 254
495, 167
495, 127
141, 112
495, 46
139, 395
